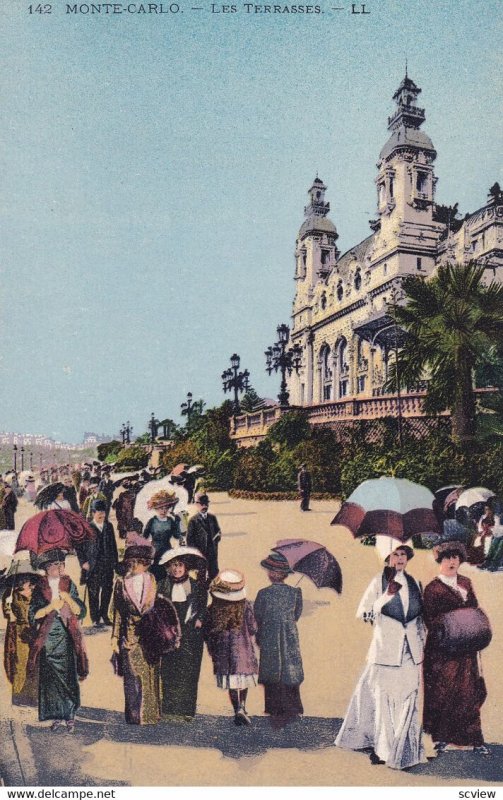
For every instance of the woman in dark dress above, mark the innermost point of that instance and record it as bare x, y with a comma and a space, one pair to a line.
181, 667
58, 649
277, 610
452, 698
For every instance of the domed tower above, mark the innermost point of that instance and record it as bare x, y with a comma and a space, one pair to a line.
315, 249
406, 185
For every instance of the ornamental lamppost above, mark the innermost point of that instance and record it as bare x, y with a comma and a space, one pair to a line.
31, 461
153, 426
279, 358
396, 295
14, 453
233, 379
22, 459
126, 432
187, 408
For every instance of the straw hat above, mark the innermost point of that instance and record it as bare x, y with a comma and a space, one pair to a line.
161, 499
229, 585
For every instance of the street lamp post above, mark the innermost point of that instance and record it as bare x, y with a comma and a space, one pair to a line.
395, 296
22, 459
14, 452
40, 459
283, 359
232, 379
31, 461
126, 432
153, 427
187, 408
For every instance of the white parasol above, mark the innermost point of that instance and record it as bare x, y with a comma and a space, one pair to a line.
141, 510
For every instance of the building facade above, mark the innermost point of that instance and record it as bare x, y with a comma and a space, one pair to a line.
342, 311
342, 316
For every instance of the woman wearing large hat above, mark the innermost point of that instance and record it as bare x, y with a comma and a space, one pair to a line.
19, 585
163, 526
277, 609
230, 630
134, 596
58, 649
180, 668
383, 713
452, 682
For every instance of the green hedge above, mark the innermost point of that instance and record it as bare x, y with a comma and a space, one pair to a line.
244, 494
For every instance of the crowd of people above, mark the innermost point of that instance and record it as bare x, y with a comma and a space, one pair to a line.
163, 601
167, 598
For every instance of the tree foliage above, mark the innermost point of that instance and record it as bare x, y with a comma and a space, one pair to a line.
452, 320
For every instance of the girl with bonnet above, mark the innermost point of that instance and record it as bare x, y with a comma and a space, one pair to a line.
229, 636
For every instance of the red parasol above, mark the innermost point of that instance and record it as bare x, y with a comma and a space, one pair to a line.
57, 528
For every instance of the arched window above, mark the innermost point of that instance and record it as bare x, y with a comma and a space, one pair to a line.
358, 279
323, 301
340, 291
326, 372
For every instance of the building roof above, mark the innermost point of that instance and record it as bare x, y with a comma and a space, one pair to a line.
406, 137
314, 223
358, 252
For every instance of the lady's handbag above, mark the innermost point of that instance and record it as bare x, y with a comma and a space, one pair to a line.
465, 630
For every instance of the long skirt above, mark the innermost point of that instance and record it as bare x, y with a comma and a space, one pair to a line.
141, 687
180, 674
282, 700
452, 699
383, 714
59, 693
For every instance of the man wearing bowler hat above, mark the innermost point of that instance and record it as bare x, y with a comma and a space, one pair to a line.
204, 534
99, 558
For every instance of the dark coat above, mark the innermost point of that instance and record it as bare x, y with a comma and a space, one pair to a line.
9, 508
162, 532
124, 511
304, 482
277, 609
451, 684
70, 494
100, 552
205, 534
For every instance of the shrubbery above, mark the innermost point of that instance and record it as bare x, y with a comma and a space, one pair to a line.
270, 469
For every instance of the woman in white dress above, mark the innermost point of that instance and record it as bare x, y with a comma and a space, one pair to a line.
383, 714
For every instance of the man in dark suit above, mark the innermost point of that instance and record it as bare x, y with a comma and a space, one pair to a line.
98, 559
204, 533
304, 485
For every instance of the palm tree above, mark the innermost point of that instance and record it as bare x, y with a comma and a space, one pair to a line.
452, 320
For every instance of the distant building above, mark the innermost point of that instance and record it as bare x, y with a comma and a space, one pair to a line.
93, 439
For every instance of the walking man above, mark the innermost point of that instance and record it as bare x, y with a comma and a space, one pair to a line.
204, 533
98, 559
304, 485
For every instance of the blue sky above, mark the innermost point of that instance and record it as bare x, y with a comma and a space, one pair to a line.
155, 170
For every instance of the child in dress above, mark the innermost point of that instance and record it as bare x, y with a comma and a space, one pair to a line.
230, 630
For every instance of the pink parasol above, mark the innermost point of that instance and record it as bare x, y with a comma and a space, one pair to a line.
52, 529
179, 470
313, 560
